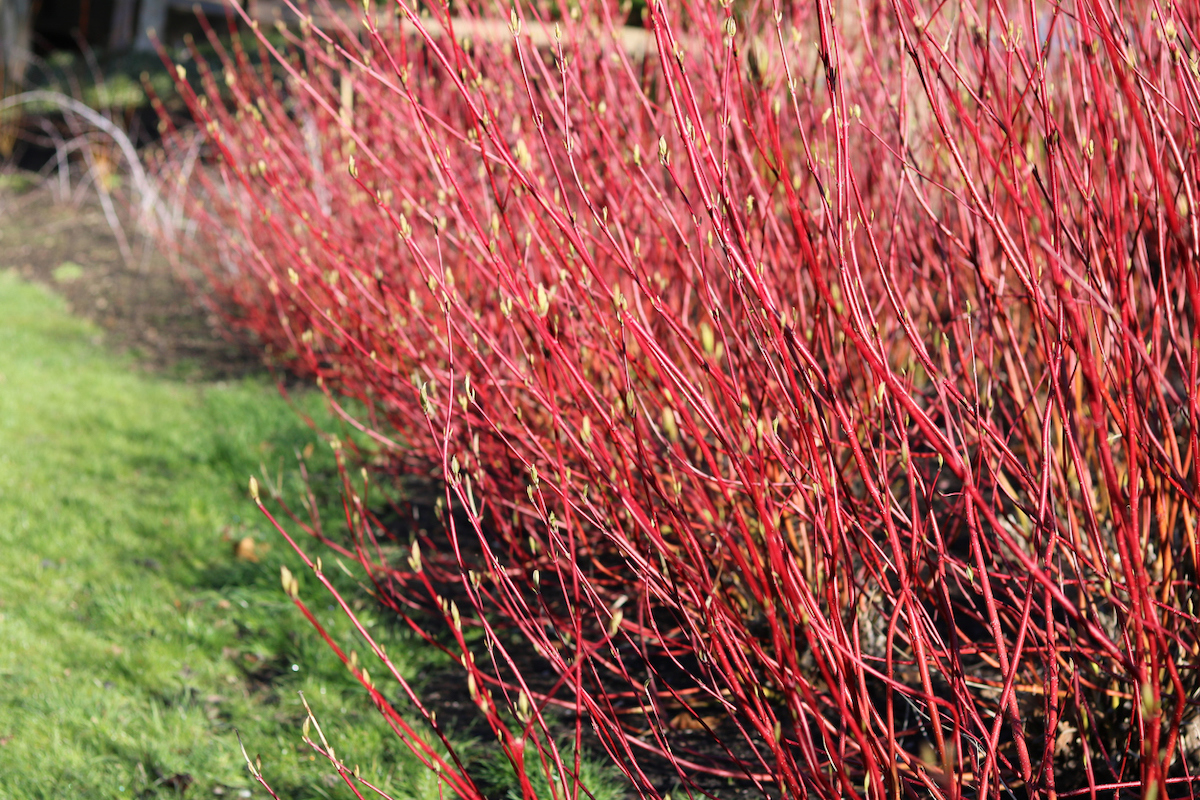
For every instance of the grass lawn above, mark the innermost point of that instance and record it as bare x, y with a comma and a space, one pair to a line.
132, 641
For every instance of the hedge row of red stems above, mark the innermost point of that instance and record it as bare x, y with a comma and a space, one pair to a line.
811, 387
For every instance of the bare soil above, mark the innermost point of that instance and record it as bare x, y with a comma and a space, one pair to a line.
143, 305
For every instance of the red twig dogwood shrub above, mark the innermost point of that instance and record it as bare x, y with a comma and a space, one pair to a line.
813, 385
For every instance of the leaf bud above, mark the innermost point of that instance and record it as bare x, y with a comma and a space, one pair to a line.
524, 711
291, 586
669, 425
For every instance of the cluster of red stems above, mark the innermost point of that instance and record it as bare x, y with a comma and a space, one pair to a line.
812, 385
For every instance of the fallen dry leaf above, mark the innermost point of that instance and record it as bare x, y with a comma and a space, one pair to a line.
1067, 734
683, 721
246, 549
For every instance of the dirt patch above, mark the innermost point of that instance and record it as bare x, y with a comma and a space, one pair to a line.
141, 303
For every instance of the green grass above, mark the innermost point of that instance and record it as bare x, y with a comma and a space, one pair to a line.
132, 642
